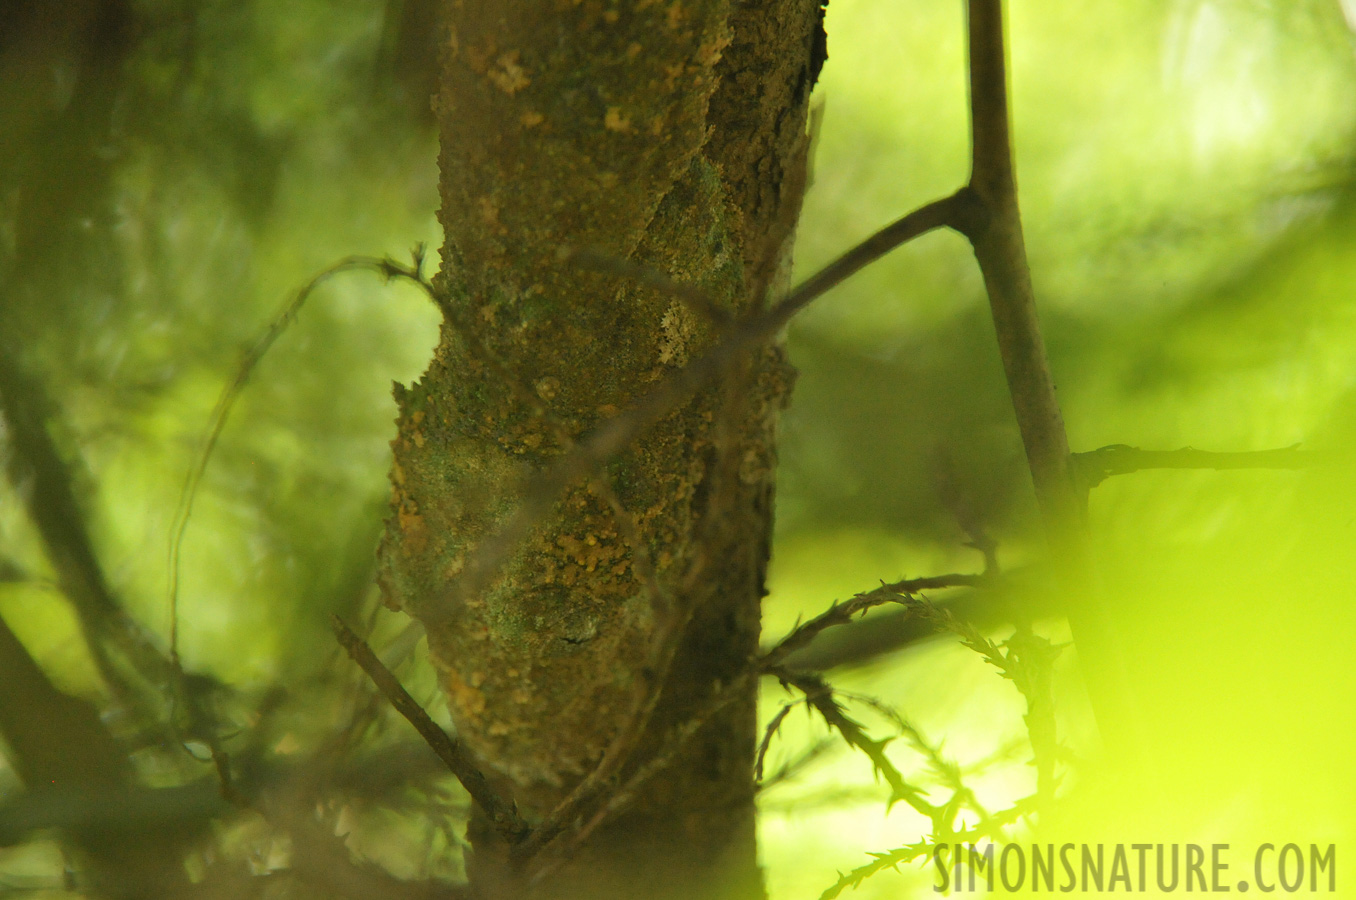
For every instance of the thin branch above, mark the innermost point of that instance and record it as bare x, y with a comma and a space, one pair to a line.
45, 480
58, 742
1095, 466
842, 613
992, 221
503, 815
821, 697
910, 852
388, 269
993, 224
1025, 659
766, 743
793, 767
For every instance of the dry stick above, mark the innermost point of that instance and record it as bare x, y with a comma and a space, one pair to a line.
1095, 466
991, 220
502, 815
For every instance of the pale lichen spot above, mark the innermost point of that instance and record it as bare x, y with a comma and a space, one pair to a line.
532, 118
489, 214
507, 74
675, 331
547, 387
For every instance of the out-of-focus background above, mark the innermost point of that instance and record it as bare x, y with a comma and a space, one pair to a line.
170, 171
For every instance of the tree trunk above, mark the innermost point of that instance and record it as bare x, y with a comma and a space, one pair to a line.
671, 134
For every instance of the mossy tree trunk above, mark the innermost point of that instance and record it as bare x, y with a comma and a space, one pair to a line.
672, 134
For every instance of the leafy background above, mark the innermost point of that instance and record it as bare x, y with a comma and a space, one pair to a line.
171, 171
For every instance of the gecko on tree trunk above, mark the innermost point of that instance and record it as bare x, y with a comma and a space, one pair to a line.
671, 134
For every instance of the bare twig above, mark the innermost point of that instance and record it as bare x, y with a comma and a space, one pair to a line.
910, 852
1025, 659
794, 766
503, 815
991, 219
388, 269
992, 222
1095, 466
842, 613
821, 697
768, 735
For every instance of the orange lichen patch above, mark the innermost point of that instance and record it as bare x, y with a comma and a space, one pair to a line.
412, 527
469, 701
672, 73
611, 16
674, 16
454, 567
489, 214
478, 56
531, 118
507, 74
709, 53
615, 121
588, 554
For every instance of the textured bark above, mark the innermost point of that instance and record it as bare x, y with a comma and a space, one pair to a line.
673, 134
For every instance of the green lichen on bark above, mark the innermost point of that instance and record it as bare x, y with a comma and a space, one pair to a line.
670, 133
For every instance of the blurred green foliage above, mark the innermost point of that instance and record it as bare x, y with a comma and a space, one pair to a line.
170, 171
